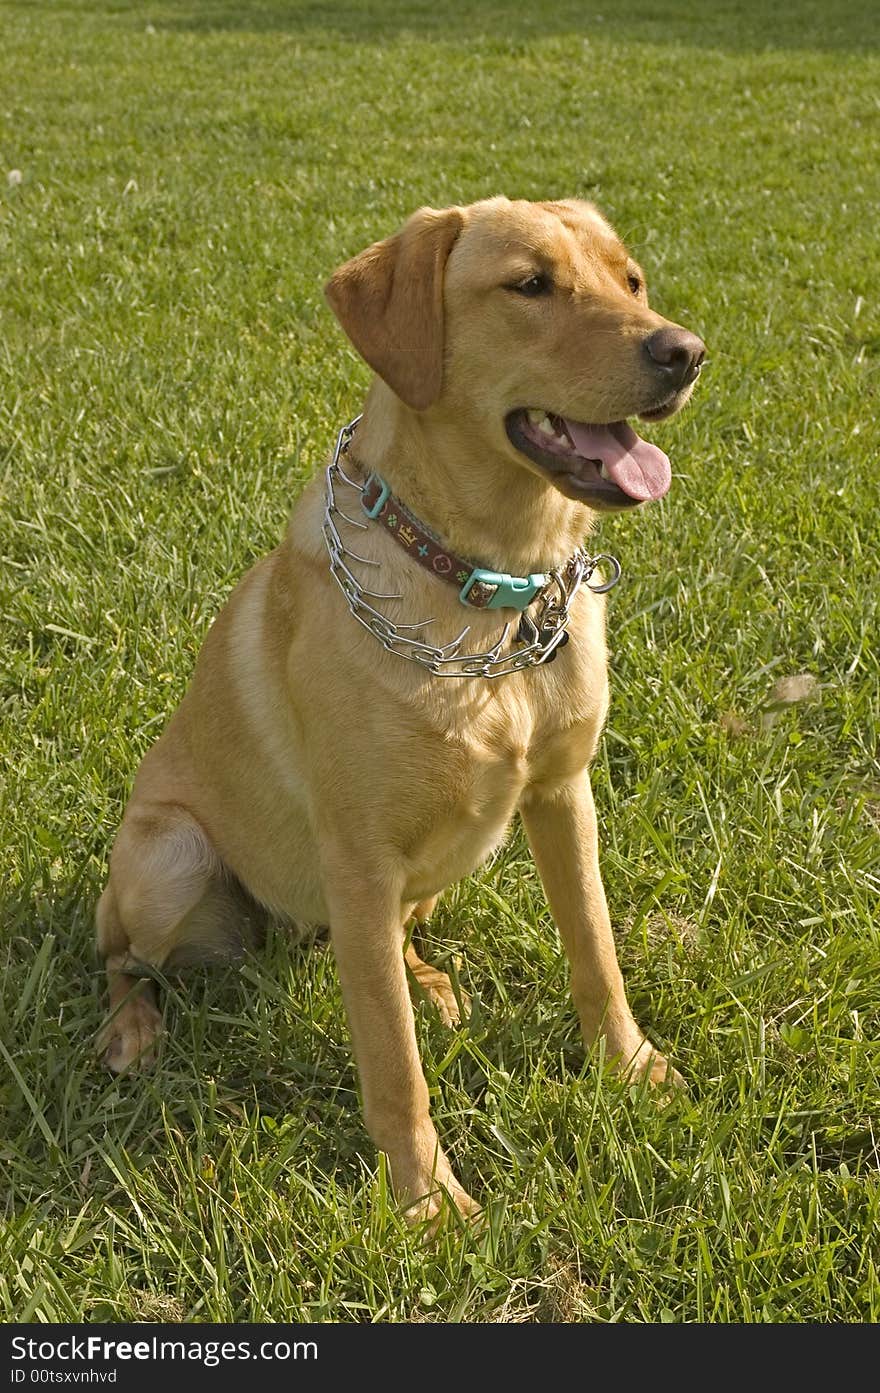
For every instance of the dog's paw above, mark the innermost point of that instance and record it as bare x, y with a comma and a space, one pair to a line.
437, 987
442, 995
426, 1189
129, 1037
652, 1066
443, 1206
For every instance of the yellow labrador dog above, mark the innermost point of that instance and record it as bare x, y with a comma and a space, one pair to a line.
380, 696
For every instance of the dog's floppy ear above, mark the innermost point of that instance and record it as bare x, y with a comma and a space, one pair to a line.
389, 301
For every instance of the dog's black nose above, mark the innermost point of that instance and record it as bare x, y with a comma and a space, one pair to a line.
677, 352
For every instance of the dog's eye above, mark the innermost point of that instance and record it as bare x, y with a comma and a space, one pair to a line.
634, 284
536, 285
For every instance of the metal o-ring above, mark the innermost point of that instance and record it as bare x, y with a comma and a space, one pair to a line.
607, 584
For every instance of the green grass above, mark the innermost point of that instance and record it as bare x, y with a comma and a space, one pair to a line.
190, 175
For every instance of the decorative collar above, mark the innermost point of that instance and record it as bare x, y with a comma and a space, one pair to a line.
539, 636
477, 587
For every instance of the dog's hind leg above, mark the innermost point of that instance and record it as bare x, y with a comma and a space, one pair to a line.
424, 909
167, 897
437, 987
433, 983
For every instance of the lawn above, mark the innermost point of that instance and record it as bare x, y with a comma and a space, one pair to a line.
188, 174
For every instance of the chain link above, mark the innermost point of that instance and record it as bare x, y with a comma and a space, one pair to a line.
540, 633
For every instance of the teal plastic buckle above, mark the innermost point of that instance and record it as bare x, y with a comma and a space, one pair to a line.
511, 592
384, 490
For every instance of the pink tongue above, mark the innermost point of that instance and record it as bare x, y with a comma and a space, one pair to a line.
635, 466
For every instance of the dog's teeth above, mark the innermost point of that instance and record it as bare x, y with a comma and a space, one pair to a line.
603, 472
545, 426
535, 416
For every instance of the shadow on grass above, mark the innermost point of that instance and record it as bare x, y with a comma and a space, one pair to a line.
732, 25
241, 1043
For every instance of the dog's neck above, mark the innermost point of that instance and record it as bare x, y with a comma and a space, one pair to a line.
474, 497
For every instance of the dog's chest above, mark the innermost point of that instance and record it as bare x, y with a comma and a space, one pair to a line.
467, 804
520, 735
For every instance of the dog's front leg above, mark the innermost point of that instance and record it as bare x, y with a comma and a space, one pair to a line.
365, 929
561, 825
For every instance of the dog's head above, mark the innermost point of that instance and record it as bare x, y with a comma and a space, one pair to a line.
529, 322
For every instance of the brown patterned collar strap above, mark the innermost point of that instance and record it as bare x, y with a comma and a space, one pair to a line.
476, 587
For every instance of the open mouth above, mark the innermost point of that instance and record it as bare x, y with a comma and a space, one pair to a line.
607, 466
